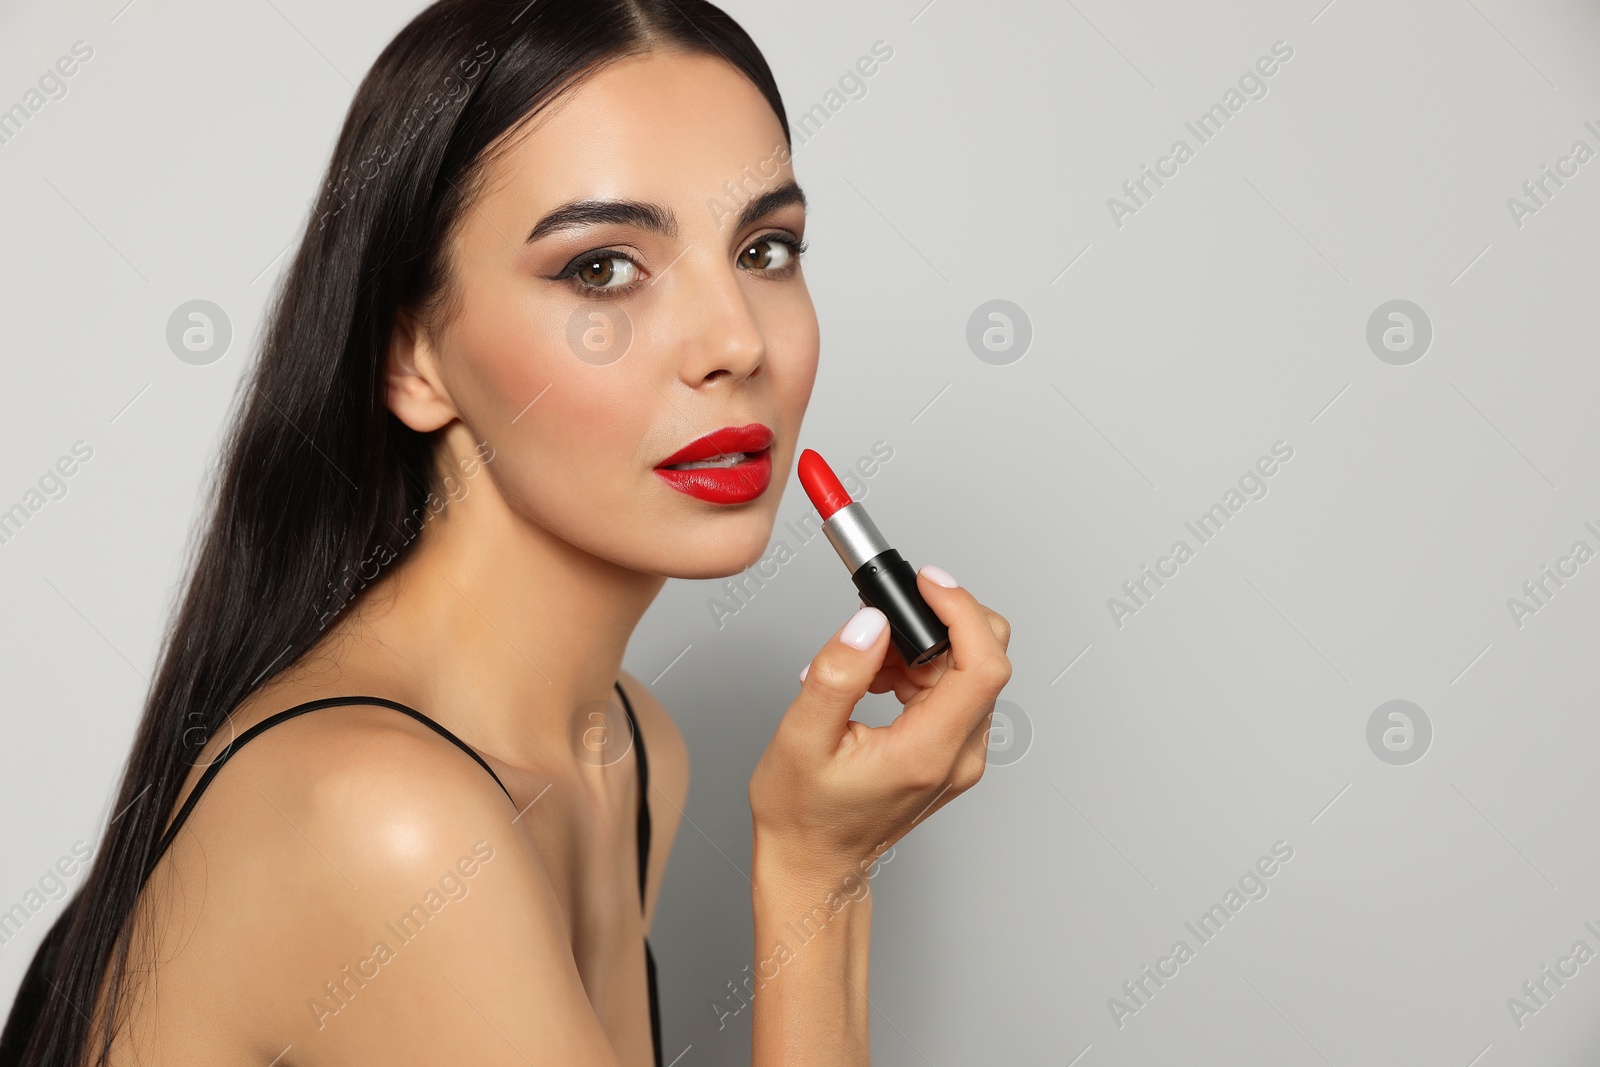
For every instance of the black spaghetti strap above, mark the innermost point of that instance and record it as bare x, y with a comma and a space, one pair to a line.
644, 866
289, 713
644, 793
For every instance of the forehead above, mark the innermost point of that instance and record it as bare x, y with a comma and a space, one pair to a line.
662, 126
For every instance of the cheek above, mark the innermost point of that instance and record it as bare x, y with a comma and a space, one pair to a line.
573, 463
516, 388
596, 424
578, 451
539, 370
559, 421
509, 355
788, 322
793, 342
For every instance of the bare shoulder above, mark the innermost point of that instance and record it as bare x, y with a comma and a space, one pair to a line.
370, 770
388, 900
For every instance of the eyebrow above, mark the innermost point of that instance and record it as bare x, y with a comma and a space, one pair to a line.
652, 217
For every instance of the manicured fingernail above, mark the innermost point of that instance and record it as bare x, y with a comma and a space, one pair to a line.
863, 628
938, 575
804, 671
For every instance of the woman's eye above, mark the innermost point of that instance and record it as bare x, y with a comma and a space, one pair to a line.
769, 254
604, 271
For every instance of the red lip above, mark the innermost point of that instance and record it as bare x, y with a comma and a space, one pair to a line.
724, 485
751, 438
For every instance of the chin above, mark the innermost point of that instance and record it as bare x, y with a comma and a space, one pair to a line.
721, 546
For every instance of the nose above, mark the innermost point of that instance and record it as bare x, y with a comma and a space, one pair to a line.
722, 339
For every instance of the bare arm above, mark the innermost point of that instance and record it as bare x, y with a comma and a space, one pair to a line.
812, 945
831, 796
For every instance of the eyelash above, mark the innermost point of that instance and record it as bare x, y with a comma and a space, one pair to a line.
569, 273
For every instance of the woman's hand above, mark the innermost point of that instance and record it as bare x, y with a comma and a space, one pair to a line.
829, 792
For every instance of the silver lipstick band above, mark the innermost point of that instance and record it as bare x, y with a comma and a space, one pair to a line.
851, 532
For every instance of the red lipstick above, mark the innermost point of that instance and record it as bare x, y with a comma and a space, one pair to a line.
884, 579
732, 465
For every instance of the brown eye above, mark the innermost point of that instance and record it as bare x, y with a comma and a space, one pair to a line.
607, 272
766, 254
604, 272
597, 272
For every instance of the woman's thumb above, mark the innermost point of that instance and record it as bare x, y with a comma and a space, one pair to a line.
839, 675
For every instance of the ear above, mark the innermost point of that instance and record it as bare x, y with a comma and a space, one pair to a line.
416, 393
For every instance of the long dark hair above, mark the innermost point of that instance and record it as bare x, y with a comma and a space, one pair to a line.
318, 479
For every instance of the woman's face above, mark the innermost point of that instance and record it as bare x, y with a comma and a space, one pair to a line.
589, 354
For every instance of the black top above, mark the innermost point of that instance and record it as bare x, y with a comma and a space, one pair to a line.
328, 702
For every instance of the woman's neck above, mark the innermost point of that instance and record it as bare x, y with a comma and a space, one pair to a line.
498, 626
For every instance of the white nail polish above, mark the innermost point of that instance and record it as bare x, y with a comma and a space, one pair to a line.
863, 628
939, 576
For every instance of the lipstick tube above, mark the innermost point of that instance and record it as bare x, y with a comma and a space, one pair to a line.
882, 576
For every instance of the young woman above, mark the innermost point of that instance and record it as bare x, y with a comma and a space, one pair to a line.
393, 799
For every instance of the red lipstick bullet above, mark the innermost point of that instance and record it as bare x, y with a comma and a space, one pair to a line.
885, 580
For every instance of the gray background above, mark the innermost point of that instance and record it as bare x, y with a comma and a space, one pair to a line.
1229, 313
